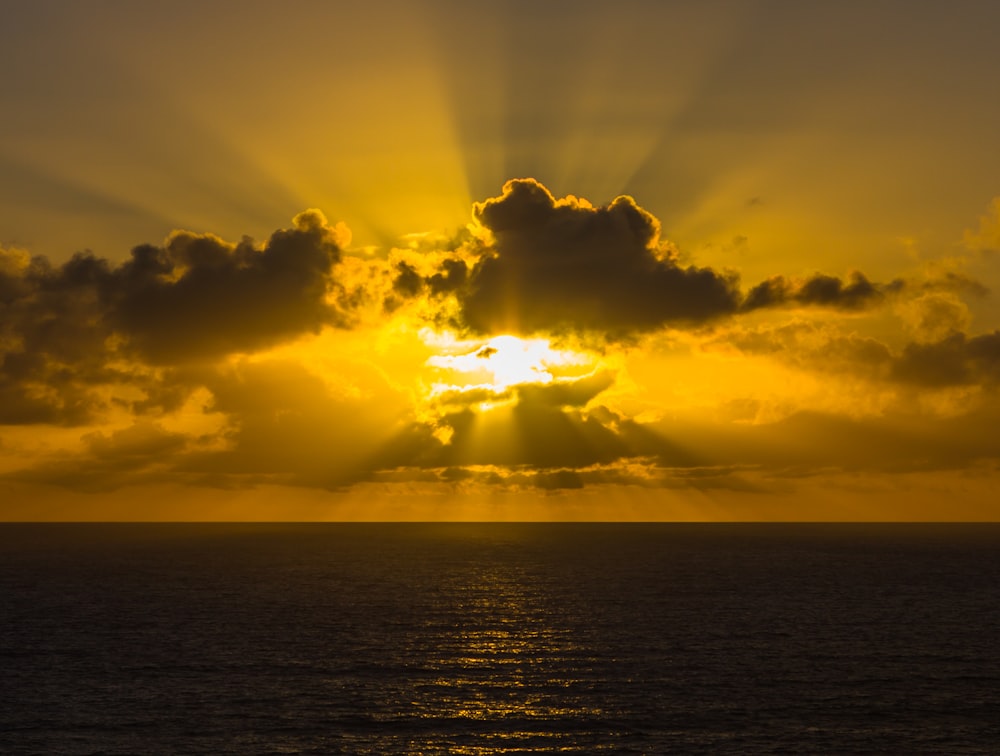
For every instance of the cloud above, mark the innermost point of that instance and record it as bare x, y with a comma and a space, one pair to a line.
142, 441
954, 360
820, 290
564, 264
286, 424
809, 346
558, 479
934, 361
575, 392
934, 315
66, 329
197, 296
544, 265
133, 348
52, 339
987, 237
201, 297
142, 452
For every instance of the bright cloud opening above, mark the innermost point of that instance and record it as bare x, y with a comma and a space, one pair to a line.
500, 362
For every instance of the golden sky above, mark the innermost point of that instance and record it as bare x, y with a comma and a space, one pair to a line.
517, 261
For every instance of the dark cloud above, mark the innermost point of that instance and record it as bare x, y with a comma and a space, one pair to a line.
452, 277
566, 393
53, 346
955, 360
64, 327
141, 453
196, 296
529, 433
407, 282
856, 293
555, 480
52, 399
286, 425
566, 265
142, 443
200, 297
557, 265
954, 281
467, 397
811, 346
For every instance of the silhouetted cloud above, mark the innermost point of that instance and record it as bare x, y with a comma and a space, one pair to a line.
53, 339
198, 296
549, 265
65, 329
195, 297
857, 293
563, 264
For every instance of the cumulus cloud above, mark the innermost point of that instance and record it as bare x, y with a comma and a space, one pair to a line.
198, 296
195, 296
52, 339
558, 264
65, 329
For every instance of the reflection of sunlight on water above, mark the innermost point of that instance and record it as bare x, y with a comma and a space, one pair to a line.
498, 670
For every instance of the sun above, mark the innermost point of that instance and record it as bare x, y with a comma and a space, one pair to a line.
501, 362
512, 360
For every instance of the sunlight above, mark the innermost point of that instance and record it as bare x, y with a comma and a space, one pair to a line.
500, 362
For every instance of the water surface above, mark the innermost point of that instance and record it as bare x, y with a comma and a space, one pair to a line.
480, 639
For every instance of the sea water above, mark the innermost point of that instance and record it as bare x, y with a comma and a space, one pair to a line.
499, 638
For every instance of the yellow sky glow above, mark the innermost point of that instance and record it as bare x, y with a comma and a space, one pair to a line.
660, 261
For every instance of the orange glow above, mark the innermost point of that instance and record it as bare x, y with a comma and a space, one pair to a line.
783, 316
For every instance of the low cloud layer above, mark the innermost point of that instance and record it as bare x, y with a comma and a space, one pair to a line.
161, 363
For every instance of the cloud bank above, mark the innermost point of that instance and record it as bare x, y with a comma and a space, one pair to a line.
164, 362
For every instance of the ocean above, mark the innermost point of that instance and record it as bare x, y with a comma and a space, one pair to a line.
499, 638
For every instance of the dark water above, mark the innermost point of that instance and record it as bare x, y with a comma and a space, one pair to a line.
476, 639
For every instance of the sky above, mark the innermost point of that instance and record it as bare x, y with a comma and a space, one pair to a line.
433, 260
